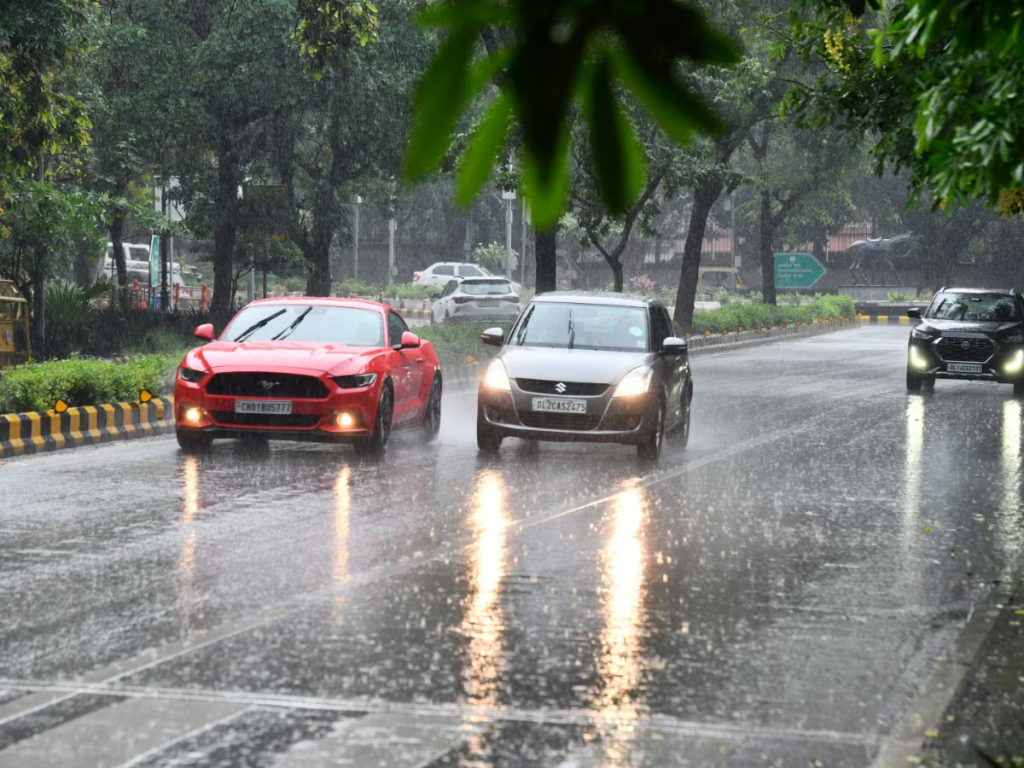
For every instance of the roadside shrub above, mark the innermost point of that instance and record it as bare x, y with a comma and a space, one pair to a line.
80, 381
723, 297
109, 331
752, 316
756, 297
454, 342
350, 287
411, 292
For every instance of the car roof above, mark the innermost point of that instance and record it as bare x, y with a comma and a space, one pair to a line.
597, 297
1008, 291
328, 301
453, 264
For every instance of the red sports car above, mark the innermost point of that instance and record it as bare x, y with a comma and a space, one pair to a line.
335, 370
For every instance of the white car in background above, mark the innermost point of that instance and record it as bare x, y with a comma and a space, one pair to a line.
443, 272
477, 300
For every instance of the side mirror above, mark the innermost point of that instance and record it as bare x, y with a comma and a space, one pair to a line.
494, 337
673, 345
204, 331
410, 340
914, 312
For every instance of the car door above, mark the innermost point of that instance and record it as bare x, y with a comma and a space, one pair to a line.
443, 303
442, 274
672, 368
407, 371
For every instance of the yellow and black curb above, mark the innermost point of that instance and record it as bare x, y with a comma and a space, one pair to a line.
702, 345
44, 431
419, 314
885, 319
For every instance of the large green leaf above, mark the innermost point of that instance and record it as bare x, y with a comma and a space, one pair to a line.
481, 154
618, 157
546, 186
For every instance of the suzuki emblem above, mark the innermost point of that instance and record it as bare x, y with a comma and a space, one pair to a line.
560, 388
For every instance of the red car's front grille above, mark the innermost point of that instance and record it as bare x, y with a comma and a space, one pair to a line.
293, 420
272, 385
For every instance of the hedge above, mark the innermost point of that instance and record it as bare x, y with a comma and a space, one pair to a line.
81, 381
752, 316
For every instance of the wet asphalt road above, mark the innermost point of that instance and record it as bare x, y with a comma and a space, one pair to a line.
774, 594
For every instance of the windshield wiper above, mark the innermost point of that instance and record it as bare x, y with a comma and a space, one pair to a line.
251, 330
522, 328
572, 330
291, 327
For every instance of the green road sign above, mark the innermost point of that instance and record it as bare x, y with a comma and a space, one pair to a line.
797, 270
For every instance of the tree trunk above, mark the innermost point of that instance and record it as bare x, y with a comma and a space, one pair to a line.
86, 268
39, 302
704, 198
766, 233
225, 227
545, 250
319, 281
117, 240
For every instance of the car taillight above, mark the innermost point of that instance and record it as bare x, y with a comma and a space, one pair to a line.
513, 298
416, 276
464, 299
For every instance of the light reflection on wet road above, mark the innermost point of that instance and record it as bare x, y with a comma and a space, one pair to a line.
776, 592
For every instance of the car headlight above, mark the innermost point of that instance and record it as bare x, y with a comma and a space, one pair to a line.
636, 382
190, 375
1017, 338
353, 382
1016, 363
917, 360
496, 376
924, 335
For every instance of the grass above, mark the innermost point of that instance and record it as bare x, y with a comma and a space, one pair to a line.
733, 317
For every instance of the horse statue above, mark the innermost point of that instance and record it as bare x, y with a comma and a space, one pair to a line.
877, 253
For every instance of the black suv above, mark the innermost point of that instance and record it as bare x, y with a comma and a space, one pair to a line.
968, 333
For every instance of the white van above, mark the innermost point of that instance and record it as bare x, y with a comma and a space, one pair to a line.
137, 264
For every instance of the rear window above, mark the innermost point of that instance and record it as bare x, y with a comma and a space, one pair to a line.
470, 271
486, 287
974, 307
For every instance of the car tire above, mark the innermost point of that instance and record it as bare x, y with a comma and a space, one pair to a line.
914, 381
192, 442
377, 444
683, 433
432, 416
649, 448
487, 439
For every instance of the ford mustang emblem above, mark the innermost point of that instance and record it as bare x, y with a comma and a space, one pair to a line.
965, 345
560, 388
266, 386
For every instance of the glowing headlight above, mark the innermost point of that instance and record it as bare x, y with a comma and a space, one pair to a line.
917, 360
190, 375
1016, 363
193, 415
917, 334
496, 376
636, 382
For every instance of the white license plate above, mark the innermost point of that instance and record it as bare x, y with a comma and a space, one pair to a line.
487, 303
276, 407
963, 367
559, 406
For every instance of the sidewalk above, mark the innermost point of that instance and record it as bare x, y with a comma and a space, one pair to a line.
986, 716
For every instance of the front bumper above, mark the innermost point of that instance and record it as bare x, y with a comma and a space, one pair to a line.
927, 361
310, 420
607, 420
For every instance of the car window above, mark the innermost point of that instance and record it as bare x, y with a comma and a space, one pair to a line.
487, 287
450, 288
468, 270
396, 327
974, 307
444, 269
582, 326
661, 327
307, 322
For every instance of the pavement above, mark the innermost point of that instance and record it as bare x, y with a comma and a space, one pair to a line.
823, 577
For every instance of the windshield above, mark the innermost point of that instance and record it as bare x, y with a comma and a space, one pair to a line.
582, 326
486, 287
977, 307
308, 322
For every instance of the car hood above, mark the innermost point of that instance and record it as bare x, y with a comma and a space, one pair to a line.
964, 326
267, 355
576, 365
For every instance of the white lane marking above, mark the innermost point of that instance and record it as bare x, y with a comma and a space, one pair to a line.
142, 725
470, 713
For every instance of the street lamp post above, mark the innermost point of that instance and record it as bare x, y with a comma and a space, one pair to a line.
392, 226
355, 240
508, 196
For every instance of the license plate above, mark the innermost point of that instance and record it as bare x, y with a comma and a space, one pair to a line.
963, 367
559, 406
487, 303
276, 407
